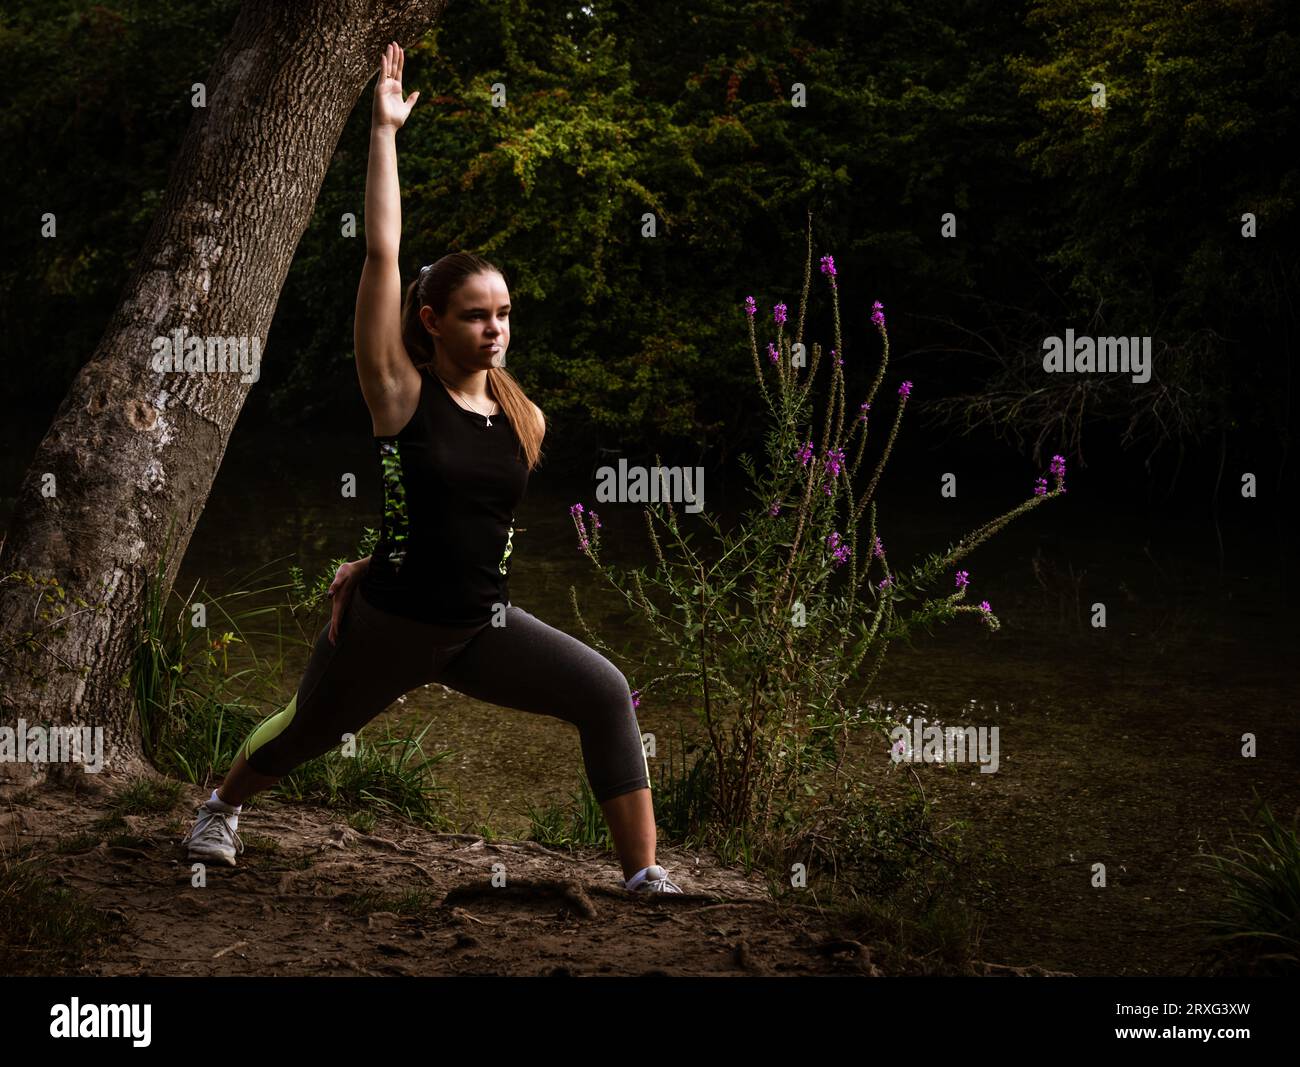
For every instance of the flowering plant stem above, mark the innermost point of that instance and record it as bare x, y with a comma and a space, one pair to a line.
756, 637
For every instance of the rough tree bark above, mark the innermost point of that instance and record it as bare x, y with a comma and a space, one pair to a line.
130, 448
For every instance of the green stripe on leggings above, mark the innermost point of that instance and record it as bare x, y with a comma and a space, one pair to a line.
270, 728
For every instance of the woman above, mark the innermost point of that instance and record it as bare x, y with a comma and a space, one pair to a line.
456, 438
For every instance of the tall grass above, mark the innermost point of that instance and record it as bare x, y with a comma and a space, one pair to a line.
579, 823
193, 709
1257, 928
392, 776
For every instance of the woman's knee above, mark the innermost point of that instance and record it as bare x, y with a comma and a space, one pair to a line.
609, 688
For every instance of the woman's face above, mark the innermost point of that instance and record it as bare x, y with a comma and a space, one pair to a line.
478, 317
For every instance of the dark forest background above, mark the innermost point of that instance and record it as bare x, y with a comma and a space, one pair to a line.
1117, 221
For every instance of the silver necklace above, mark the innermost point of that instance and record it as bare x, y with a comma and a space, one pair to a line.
471, 406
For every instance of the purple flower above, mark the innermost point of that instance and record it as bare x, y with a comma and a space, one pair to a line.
1058, 469
834, 461
579, 520
771, 352
774, 510
839, 552
862, 411
905, 389
750, 306
878, 314
963, 578
828, 265
778, 313
878, 550
636, 698
596, 519
885, 582
984, 607
804, 454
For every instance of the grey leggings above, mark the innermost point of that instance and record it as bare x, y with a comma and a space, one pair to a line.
524, 664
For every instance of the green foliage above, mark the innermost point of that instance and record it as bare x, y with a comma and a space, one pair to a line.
683, 785
392, 775
1257, 928
1191, 90
880, 849
1127, 218
51, 610
146, 796
192, 707
581, 823
1150, 190
306, 597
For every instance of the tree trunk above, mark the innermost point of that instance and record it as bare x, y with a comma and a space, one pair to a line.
131, 447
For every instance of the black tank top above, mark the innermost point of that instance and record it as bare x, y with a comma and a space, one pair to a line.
451, 486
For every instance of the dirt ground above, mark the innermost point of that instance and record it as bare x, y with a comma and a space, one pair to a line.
312, 896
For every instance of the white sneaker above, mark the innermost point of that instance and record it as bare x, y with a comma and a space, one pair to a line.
214, 838
656, 881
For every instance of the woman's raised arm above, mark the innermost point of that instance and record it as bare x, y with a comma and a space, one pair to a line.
384, 368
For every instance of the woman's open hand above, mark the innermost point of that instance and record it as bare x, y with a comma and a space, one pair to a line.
390, 109
341, 589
